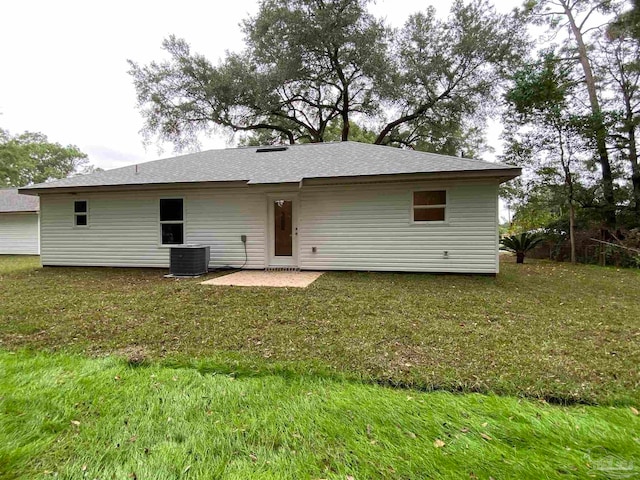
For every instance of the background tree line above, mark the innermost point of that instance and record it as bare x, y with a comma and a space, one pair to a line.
30, 157
571, 113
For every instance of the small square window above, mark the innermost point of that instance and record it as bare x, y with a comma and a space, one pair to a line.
80, 213
429, 206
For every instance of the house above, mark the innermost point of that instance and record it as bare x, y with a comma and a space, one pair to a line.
324, 206
18, 223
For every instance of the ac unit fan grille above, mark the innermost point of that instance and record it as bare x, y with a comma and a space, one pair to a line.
189, 261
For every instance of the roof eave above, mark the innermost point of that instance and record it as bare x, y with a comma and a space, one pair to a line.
27, 191
501, 175
126, 186
3, 212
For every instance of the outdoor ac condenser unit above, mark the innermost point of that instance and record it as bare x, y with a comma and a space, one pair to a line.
189, 260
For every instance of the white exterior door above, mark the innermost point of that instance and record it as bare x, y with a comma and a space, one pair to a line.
283, 231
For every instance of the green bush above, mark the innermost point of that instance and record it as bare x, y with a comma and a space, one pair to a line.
521, 244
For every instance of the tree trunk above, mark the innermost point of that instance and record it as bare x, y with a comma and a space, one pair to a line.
635, 171
565, 160
519, 257
345, 126
572, 230
633, 154
603, 253
599, 126
345, 112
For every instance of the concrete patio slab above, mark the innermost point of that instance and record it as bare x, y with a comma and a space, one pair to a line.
261, 278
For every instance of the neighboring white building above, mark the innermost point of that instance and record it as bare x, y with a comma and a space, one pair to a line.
327, 206
18, 223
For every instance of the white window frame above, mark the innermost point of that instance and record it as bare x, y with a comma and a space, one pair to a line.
425, 207
174, 222
78, 214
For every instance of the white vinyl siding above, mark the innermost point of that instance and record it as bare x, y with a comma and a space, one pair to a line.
18, 234
370, 227
352, 227
125, 228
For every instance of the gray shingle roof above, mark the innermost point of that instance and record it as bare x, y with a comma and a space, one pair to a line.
297, 162
12, 201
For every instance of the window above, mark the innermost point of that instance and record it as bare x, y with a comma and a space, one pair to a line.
81, 213
171, 221
429, 206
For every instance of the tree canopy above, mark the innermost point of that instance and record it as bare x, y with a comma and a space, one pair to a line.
571, 115
30, 158
627, 23
544, 135
311, 66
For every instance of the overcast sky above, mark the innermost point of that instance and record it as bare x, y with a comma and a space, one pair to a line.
65, 72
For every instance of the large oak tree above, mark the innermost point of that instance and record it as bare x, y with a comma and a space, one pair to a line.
311, 63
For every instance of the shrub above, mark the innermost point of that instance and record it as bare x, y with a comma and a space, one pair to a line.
521, 244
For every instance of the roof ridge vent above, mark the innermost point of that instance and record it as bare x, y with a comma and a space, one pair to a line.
271, 149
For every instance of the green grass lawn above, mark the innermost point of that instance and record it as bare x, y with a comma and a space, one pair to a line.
76, 417
558, 332
274, 383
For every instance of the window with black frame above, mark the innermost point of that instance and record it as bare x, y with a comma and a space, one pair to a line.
172, 221
81, 213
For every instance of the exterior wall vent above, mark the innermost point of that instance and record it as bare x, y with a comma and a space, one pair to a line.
271, 149
189, 260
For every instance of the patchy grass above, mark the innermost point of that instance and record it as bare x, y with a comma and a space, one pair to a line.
75, 417
540, 330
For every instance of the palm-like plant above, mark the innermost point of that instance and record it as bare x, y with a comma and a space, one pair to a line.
521, 244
